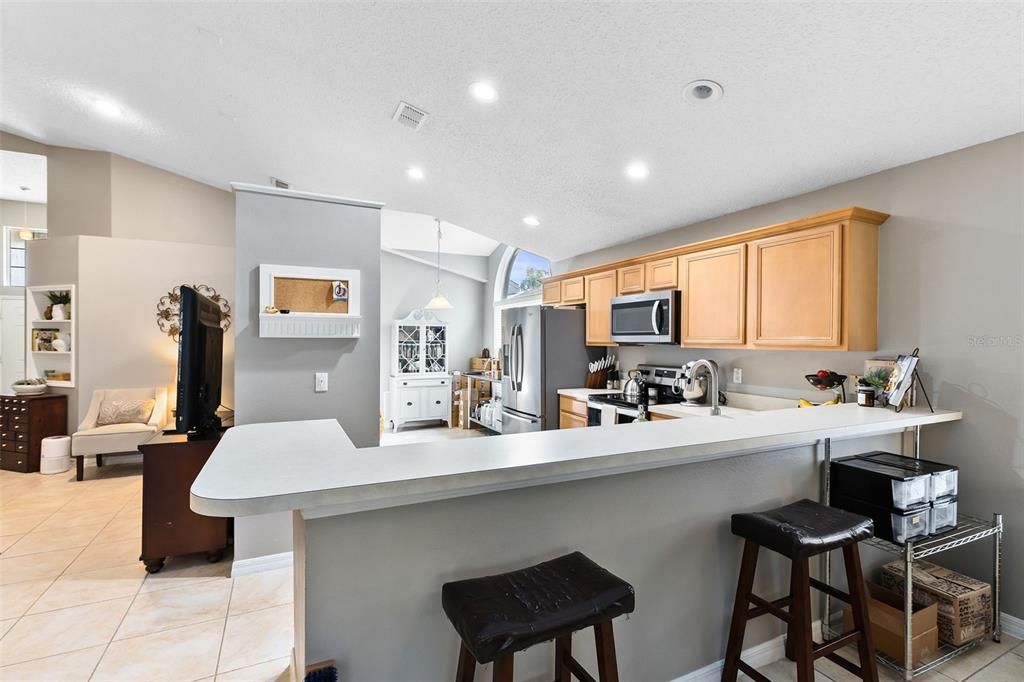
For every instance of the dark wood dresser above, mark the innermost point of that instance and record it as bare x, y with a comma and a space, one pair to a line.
25, 420
170, 464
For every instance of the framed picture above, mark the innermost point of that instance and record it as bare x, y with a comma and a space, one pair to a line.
42, 339
900, 380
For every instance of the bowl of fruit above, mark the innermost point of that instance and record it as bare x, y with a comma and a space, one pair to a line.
29, 386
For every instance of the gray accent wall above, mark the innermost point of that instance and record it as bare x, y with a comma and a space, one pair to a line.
407, 285
951, 282
274, 377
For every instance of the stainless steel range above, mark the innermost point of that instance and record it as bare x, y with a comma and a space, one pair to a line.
664, 385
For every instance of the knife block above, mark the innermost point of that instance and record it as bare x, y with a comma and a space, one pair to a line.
597, 379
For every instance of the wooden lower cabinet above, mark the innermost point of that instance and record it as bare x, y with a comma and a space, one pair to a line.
714, 308
659, 417
796, 289
170, 464
568, 420
572, 413
601, 288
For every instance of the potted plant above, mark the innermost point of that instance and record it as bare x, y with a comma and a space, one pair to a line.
60, 305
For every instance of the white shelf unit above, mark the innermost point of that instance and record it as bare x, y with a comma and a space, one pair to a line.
420, 386
39, 362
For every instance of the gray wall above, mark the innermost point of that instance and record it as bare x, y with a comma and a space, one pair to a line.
666, 531
406, 285
274, 377
952, 283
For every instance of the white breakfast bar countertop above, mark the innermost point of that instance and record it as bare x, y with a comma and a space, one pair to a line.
313, 466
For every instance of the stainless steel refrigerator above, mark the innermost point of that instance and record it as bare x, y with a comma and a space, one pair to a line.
543, 350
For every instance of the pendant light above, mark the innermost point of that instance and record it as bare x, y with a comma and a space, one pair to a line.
439, 301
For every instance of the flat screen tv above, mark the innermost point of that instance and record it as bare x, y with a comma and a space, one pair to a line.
200, 364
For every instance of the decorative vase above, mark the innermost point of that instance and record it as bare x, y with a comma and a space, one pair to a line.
48, 312
58, 312
59, 345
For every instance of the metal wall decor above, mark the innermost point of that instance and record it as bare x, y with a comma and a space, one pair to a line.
168, 309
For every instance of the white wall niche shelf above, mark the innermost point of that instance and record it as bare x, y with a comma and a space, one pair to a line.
39, 362
281, 285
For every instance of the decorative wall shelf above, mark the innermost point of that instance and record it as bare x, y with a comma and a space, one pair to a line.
322, 302
43, 361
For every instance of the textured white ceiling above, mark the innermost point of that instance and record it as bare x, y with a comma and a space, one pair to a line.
418, 232
815, 93
19, 170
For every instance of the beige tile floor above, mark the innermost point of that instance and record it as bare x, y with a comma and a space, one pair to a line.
76, 603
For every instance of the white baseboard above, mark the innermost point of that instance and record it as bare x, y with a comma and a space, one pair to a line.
258, 564
757, 656
1012, 625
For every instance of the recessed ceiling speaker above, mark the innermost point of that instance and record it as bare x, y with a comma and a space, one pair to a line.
409, 116
703, 91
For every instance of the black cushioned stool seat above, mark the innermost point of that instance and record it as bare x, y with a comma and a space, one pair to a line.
799, 531
802, 529
499, 615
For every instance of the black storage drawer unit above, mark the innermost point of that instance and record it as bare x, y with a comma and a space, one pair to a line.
945, 477
894, 525
880, 484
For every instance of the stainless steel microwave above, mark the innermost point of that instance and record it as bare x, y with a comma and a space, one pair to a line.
646, 318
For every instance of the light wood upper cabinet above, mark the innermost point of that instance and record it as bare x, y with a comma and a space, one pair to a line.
601, 288
806, 284
714, 292
631, 279
662, 274
574, 291
552, 294
796, 289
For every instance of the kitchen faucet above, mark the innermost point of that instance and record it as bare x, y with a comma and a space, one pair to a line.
712, 369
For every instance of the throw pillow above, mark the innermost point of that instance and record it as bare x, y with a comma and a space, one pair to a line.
125, 412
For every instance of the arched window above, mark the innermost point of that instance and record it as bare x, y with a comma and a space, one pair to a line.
524, 274
517, 282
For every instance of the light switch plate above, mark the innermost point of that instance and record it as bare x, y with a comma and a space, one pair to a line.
737, 375
320, 385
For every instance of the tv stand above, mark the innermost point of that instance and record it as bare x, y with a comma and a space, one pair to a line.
170, 464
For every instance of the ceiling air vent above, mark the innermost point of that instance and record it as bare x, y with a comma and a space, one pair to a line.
409, 116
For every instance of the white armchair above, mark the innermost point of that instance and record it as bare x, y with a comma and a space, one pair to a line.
91, 440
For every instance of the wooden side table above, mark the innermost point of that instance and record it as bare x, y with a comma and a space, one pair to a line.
25, 420
170, 464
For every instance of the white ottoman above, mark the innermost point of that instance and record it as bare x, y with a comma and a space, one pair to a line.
55, 455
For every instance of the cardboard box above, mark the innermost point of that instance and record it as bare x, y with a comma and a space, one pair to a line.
965, 604
885, 612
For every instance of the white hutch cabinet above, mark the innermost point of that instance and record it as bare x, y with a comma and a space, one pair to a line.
420, 386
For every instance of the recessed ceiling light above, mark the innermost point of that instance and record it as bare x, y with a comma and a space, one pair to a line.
703, 91
414, 172
531, 221
108, 108
483, 91
637, 170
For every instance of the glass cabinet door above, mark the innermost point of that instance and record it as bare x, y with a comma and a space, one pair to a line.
436, 349
409, 342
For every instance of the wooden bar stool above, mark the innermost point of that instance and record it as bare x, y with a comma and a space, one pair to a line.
800, 531
499, 615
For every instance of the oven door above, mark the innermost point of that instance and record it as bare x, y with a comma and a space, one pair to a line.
646, 318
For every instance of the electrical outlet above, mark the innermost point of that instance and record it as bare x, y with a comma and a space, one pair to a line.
737, 375
320, 385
